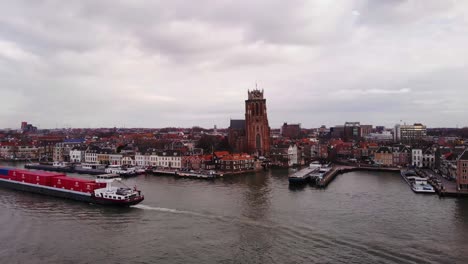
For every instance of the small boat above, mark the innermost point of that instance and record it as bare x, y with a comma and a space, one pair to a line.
90, 168
417, 184
200, 174
124, 172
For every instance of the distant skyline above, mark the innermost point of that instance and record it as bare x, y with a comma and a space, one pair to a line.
183, 64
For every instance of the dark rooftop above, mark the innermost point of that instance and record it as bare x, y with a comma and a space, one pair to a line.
237, 124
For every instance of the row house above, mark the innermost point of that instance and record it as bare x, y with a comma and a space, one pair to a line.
462, 171
417, 158
293, 156
166, 159
115, 159
103, 156
344, 149
142, 160
428, 160
128, 160
401, 155
11, 151
91, 156
77, 154
236, 162
384, 156
198, 162
279, 155
62, 149
448, 165
314, 151
322, 151
192, 162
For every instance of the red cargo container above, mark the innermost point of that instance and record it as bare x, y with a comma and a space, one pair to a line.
59, 182
18, 175
89, 187
43, 178
35, 177
74, 184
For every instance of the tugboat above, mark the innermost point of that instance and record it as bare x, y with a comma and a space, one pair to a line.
115, 195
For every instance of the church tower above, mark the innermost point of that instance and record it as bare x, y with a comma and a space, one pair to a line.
256, 124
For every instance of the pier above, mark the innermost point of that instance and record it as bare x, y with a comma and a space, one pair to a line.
187, 174
442, 186
340, 169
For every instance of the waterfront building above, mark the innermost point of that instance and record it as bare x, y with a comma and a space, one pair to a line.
401, 155
142, 160
103, 156
314, 150
416, 158
448, 165
236, 163
77, 154
428, 160
170, 159
62, 149
11, 150
128, 159
115, 159
192, 162
256, 124
293, 157
279, 155
91, 156
252, 134
384, 156
323, 151
462, 171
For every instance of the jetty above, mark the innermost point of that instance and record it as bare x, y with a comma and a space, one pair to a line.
340, 169
442, 186
187, 174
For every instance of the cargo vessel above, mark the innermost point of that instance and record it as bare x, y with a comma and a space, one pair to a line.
99, 191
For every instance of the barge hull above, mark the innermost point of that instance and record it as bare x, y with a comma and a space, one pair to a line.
50, 191
62, 193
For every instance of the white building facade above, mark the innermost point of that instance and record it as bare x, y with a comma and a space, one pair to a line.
417, 158
292, 155
77, 155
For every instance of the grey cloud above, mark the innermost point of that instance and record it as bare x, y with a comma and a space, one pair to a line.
156, 63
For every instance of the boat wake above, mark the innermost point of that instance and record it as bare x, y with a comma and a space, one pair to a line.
167, 210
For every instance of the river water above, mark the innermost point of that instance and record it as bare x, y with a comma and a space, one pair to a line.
255, 218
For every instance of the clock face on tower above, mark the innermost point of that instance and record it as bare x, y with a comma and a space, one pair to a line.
257, 94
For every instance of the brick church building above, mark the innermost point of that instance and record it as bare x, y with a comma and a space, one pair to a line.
252, 135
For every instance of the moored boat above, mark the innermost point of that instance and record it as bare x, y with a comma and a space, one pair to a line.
417, 184
304, 175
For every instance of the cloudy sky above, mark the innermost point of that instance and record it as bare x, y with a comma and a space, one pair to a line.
155, 63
